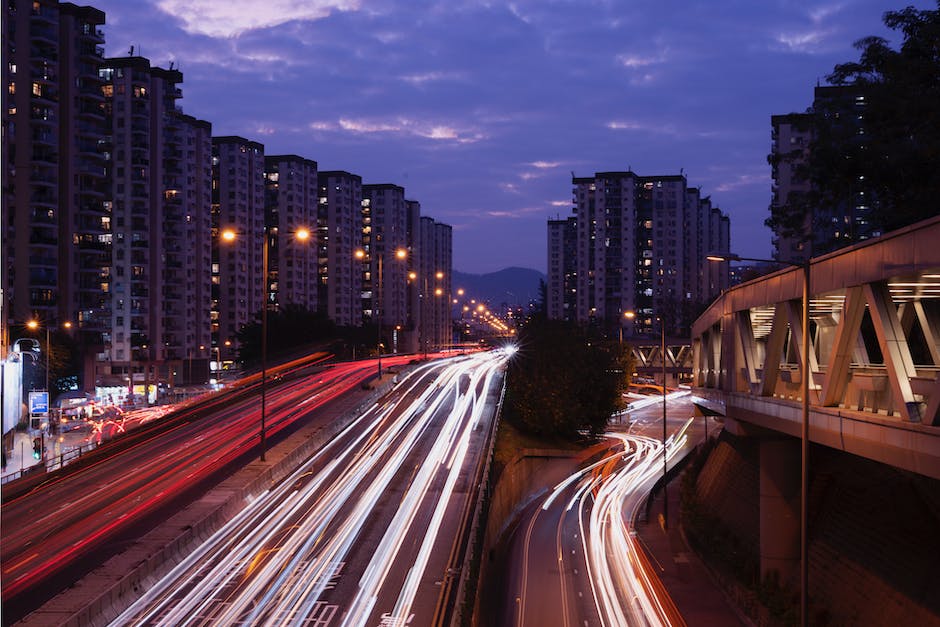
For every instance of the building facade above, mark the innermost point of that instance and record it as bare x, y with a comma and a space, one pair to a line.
56, 233
340, 233
239, 291
828, 223
562, 269
159, 169
385, 215
637, 245
291, 193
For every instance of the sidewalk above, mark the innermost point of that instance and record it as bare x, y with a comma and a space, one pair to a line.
687, 580
22, 459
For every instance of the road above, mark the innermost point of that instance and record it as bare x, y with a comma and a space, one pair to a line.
366, 532
575, 559
72, 521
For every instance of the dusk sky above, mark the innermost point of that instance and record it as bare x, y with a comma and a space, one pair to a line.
481, 110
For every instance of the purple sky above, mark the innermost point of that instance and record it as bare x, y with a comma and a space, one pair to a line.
481, 110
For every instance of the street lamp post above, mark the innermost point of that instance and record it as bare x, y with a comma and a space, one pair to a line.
400, 253
804, 427
662, 324
229, 235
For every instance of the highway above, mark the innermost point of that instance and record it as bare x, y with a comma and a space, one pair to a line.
577, 541
74, 520
368, 531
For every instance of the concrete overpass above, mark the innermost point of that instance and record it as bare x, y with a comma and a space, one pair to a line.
874, 359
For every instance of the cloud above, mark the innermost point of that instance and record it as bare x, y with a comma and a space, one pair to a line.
515, 214
743, 180
812, 40
637, 61
545, 165
233, 17
806, 41
430, 77
655, 128
399, 126
560, 203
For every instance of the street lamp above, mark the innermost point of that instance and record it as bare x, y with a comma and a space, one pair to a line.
662, 325
229, 235
400, 253
627, 315
804, 427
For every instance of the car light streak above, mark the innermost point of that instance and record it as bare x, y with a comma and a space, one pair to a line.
274, 562
144, 476
607, 494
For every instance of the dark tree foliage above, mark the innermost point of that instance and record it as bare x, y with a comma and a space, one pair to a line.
294, 329
898, 155
564, 380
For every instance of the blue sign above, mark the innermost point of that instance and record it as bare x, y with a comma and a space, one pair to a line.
39, 402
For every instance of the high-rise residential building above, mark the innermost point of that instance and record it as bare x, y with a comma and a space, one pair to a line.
56, 230
441, 332
384, 207
638, 245
188, 241
340, 233
434, 280
291, 202
827, 223
159, 167
410, 339
237, 204
562, 268
790, 141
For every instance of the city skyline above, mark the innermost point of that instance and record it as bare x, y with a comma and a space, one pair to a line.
482, 112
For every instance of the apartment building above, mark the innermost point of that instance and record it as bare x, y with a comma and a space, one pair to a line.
56, 235
238, 206
385, 214
340, 233
635, 244
291, 192
562, 268
159, 167
828, 223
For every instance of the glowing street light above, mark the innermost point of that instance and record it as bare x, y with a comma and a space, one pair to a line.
400, 254
230, 235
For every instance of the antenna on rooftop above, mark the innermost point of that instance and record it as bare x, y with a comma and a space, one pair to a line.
130, 52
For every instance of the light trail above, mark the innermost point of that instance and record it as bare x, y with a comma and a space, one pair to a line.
606, 495
143, 476
277, 562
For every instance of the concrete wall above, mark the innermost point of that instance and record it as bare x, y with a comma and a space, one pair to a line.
874, 547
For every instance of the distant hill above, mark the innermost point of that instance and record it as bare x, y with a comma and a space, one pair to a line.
513, 286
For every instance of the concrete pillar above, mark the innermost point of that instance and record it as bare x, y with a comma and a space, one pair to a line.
780, 508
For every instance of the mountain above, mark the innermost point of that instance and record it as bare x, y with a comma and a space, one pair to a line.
512, 286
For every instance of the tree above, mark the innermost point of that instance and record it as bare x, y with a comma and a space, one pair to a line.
565, 379
891, 156
294, 328
291, 328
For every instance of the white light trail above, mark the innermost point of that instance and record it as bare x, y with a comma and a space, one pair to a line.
274, 561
